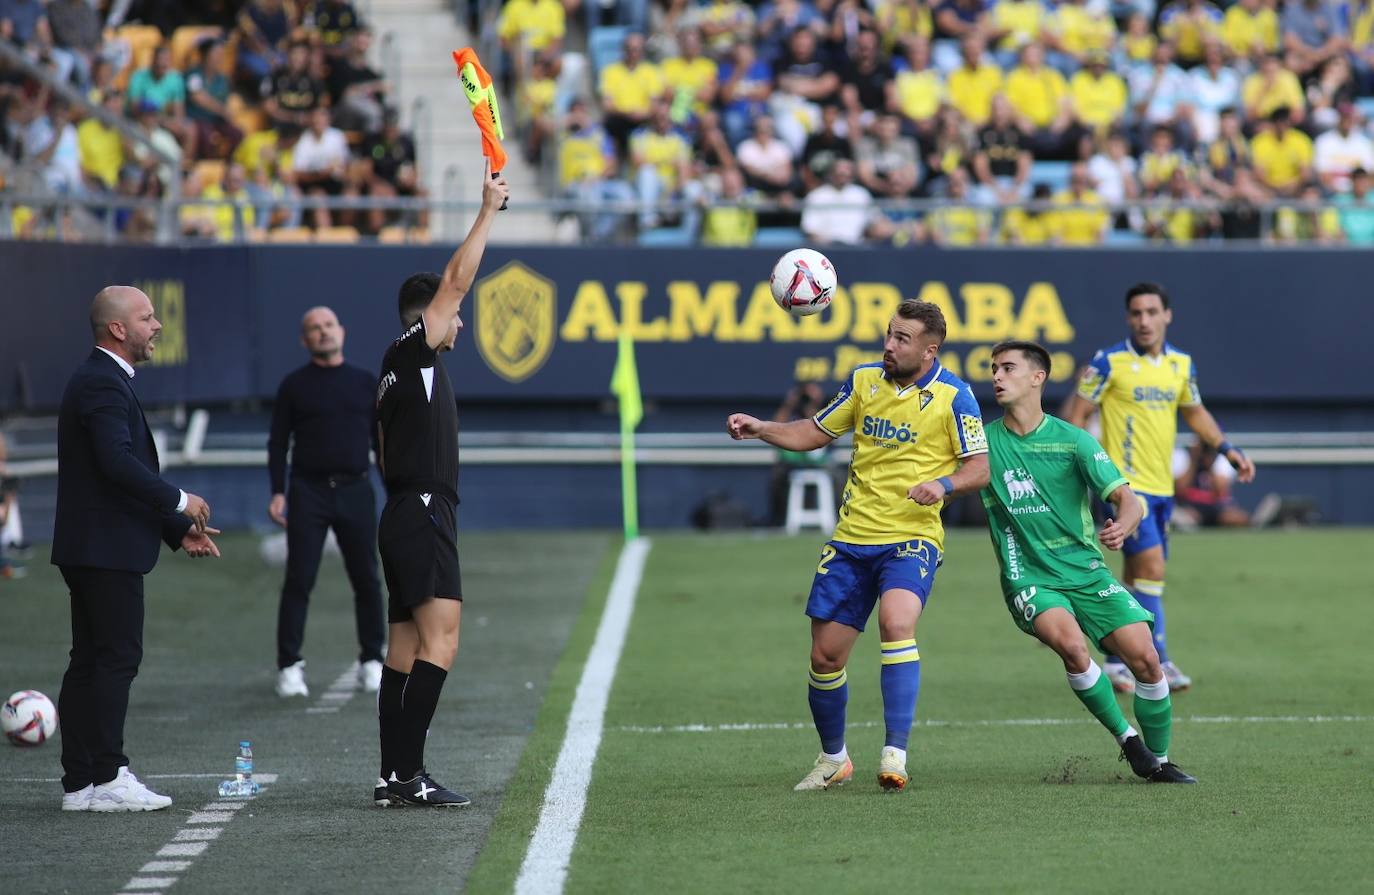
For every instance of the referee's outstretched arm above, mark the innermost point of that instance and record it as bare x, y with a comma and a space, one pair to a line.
462, 267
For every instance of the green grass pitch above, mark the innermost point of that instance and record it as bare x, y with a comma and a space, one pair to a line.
1013, 788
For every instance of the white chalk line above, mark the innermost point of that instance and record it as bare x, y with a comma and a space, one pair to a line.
993, 722
190, 842
545, 868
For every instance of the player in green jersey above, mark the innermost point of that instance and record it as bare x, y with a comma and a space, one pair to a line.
1055, 580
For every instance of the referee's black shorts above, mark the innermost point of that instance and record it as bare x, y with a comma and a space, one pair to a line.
418, 537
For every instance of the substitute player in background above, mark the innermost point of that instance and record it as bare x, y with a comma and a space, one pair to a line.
1142, 385
913, 423
1054, 579
417, 420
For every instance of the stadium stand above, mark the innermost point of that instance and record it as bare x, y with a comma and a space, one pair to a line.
1190, 86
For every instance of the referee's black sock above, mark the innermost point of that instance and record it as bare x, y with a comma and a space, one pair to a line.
421, 698
389, 715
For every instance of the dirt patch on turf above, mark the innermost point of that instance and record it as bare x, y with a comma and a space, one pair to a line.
1072, 769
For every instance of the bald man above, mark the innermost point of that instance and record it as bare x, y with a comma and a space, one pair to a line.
113, 507
326, 408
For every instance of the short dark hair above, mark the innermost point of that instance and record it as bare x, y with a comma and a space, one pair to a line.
416, 294
929, 315
1034, 352
1147, 288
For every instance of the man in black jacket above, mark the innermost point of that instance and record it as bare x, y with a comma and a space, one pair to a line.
112, 509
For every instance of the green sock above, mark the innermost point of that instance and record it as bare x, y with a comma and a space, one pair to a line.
1095, 692
1155, 714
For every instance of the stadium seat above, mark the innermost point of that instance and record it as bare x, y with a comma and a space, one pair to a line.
604, 45
666, 237
398, 235
186, 38
290, 234
209, 171
336, 235
1056, 174
1125, 238
142, 40
778, 237
246, 118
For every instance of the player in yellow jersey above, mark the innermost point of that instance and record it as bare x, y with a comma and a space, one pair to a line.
918, 439
1142, 386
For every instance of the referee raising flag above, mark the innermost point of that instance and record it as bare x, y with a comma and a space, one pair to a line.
417, 420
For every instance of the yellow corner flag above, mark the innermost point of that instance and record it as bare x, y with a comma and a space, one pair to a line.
625, 386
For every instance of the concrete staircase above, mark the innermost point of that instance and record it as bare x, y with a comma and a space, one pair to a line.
415, 40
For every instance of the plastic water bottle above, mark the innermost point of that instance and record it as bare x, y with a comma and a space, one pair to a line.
243, 785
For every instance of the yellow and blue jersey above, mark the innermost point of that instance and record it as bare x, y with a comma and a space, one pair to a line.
1139, 397
902, 437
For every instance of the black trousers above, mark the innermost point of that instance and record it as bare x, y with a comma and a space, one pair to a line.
313, 506
107, 647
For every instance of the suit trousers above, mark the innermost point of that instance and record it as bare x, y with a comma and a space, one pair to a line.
313, 506
107, 647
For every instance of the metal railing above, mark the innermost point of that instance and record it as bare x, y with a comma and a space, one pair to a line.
456, 211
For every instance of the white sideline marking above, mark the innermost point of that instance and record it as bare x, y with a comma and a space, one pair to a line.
338, 694
998, 722
545, 868
190, 841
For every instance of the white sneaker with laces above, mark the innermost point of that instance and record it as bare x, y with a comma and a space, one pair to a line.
126, 793
291, 681
370, 675
79, 800
826, 773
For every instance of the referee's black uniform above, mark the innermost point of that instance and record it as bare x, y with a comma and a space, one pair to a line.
328, 410
418, 534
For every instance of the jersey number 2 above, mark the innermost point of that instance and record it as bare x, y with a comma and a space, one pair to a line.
827, 554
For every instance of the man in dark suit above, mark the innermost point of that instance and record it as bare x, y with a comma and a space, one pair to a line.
112, 509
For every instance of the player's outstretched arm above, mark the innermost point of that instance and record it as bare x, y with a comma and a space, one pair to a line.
971, 476
1201, 421
462, 267
798, 435
1129, 512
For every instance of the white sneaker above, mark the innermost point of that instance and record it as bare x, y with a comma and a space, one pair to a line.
125, 793
826, 773
291, 681
1120, 676
79, 800
370, 675
1178, 681
892, 775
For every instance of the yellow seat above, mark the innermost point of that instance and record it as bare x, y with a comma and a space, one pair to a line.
289, 234
209, 171
185, 39
336, 235
391, 235
418, 235
142, 40
246, 118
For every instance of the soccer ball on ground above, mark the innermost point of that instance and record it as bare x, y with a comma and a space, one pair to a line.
28, 718
803, 282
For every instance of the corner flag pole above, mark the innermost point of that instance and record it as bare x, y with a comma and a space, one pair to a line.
625, 386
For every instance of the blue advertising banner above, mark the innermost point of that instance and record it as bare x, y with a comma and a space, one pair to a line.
541, 323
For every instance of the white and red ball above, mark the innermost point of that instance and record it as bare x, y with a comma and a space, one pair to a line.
803, 282
28, 718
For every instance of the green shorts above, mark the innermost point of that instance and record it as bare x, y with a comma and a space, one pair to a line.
1099, 608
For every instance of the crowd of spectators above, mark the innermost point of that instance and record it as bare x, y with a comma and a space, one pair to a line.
253, 102
1027, 122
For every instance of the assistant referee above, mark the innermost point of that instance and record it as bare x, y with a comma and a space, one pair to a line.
326, 406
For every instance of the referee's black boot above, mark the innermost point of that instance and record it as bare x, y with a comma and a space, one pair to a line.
423, 791
1142, 761
1168, 772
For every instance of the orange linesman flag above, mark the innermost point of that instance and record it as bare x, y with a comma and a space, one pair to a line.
485, 110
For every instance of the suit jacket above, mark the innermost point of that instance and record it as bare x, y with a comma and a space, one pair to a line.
112, 506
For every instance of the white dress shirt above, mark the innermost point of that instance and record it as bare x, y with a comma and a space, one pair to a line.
129, 371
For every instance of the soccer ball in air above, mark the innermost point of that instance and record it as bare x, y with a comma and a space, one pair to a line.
803, 282
28, 718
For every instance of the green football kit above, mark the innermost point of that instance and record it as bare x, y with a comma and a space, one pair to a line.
1037, 501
